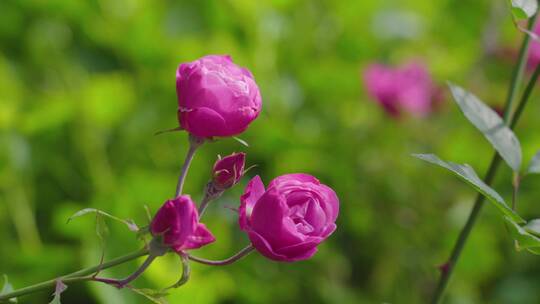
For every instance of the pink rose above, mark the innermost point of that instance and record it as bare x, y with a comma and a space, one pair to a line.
177, 223
288, 220
228, 170
216, 97
407, 88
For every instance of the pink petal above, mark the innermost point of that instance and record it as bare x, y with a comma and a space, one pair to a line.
264, 247
294, 177
301, 251
202, 236
254, 190
270, 219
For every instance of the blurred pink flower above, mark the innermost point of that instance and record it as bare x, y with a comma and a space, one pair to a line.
408, 88
534, 50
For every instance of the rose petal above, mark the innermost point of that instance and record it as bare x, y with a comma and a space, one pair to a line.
331, 202
254, 190
315, 216
202, 236
203, 122
294, 177
264, 247
328, 230
301, 251
188, 217
270, 219
165, 222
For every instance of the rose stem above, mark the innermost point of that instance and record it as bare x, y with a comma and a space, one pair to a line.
80, 275
465, 232
194, 143
240, 254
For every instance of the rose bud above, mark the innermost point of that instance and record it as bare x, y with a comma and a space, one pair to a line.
288, 220
177, 224
216, 97
228, 170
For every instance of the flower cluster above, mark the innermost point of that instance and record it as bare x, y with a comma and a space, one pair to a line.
286, 221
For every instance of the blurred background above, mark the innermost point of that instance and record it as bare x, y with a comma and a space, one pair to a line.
84, 85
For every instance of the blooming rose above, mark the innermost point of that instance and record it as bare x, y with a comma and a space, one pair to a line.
177, 223
216, 97
408, 88
228, 170
288, 220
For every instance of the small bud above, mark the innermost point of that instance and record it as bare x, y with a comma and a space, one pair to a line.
176, 225
228, 171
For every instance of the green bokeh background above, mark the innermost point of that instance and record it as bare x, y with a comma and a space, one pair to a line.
85, 84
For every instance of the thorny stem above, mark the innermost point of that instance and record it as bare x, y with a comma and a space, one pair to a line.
517, 73
77, 276
90, 273
240, 254
122, 283
511, 120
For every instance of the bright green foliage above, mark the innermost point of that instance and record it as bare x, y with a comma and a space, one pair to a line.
524, 239
129, 223
7, 287
84, 85
491, 125
467, 174
155, 296
534, 165
523, 9
533, 226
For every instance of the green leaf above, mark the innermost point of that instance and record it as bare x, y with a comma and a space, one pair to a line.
466, 173
102, 230
524, 9
156, 296
491, 125
7, 288
533, 226
60, 287
534, 165
524, 239
129, 223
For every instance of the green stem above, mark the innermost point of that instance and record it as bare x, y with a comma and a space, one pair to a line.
517, 73
186, 272
194, 143
465, 232
515, 188
123, 282
446, 272
526, 94
204, 203
77, 276
240, 254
